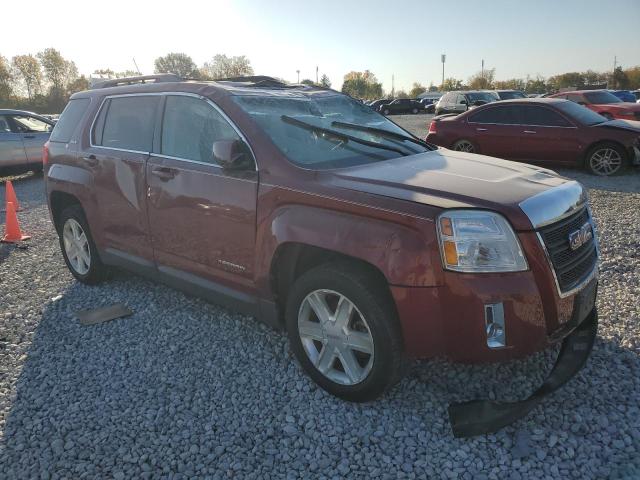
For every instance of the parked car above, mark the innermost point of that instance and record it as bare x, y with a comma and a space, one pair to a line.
401, 105
624, 95
377, 104
636, 94
307, 209
458, 102
22, 135
509, 94
604, 103
428, 104
552, 131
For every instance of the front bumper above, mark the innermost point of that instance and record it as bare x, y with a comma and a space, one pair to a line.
479, 417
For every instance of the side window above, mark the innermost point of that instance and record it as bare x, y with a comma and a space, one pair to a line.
26, 124
460, 98
190, 127
541, 116
495, 115
69, 120
128, 123
5, 126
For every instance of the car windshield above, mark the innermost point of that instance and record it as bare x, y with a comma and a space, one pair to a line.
511, 95
481, 96
580, 113
301, 127
600, 98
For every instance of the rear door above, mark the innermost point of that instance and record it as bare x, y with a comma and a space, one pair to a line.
34, 133
547, 136
121, 139
11, 146
496, 130
202, 217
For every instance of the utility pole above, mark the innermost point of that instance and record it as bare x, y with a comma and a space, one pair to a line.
443, 57
134, 62
613, 77
482, 70
298, 72
393, 89
316, 74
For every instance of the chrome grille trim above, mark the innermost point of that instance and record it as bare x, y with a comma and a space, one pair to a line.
552, 205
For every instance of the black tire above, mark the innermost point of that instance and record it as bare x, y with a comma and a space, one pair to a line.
589, 164
414, 111
373, 300
458, 146
97, 270
385, 111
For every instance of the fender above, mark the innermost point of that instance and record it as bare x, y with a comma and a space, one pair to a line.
403, 253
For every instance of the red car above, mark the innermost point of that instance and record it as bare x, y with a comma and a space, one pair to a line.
309, 210
603, 102
542, 130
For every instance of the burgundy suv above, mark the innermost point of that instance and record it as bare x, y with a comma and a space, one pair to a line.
307, 209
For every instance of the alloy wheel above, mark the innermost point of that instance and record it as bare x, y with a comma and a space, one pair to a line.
463, 146
605, 161
336, 337
76, 246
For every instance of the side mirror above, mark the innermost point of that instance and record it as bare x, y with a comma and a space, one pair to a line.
463, 102
232, 155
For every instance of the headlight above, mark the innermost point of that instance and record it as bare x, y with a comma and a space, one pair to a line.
479, 241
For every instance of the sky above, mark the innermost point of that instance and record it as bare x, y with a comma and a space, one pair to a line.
401, 38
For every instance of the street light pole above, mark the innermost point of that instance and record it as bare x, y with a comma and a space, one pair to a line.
298, 72
443, 57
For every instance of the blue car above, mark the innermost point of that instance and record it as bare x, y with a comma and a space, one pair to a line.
624, 95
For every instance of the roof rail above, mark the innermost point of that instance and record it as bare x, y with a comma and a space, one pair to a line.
256, 80
158, 78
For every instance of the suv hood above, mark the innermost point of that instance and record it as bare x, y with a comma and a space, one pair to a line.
631, 125
449, 179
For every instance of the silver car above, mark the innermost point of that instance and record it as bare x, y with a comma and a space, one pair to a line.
22, 135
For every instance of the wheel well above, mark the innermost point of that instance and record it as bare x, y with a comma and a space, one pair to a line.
291, 260
59, 201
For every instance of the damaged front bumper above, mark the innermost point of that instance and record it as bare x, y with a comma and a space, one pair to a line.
479, 417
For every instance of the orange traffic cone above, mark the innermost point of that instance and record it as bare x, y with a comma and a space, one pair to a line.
12, 233
11, 196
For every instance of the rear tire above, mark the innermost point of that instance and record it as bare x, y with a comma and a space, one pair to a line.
606, 159
78, 248
464, 145
321, 341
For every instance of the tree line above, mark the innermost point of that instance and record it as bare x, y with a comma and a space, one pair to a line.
365, 85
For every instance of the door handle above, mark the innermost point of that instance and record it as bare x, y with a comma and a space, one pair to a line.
529, 131
29, 136
164, 173
91, 160
481, 129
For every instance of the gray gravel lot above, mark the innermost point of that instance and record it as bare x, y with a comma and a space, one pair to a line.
183, 388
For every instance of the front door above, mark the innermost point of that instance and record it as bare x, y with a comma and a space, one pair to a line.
121, 142
496, 130
34, 134
202, 218
547, 136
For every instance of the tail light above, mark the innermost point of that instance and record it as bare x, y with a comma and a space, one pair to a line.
45, 154
432, 127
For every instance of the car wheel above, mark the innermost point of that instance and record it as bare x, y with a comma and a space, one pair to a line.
414, 111
606, 159
607, 115
385, 111
78, 248
343, 329
463, 146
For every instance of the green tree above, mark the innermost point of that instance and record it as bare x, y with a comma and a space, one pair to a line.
58, 71
416, 90
180, 64
451, 84
536, 85
29, 74
307, 81
510, 84
362, 85
401, 94
620, 79
633, 74
482, 80
324, 81
78, 85
6, 81
566, 80
222, 66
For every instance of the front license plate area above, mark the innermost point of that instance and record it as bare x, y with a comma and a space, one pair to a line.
584, 302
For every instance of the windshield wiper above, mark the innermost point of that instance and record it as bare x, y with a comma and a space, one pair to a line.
339, 135
380, 131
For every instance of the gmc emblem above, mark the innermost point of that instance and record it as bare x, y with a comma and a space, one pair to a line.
580, 236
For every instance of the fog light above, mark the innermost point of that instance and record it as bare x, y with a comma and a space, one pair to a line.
494, 322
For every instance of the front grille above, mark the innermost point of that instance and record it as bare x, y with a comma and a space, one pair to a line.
571, 266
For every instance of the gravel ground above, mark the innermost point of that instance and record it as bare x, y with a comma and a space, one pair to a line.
184, 388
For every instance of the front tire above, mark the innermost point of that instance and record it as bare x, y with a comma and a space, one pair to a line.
78, 248
606, 159
343, 329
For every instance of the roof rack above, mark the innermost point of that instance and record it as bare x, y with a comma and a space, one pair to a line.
159, 78
256, 80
